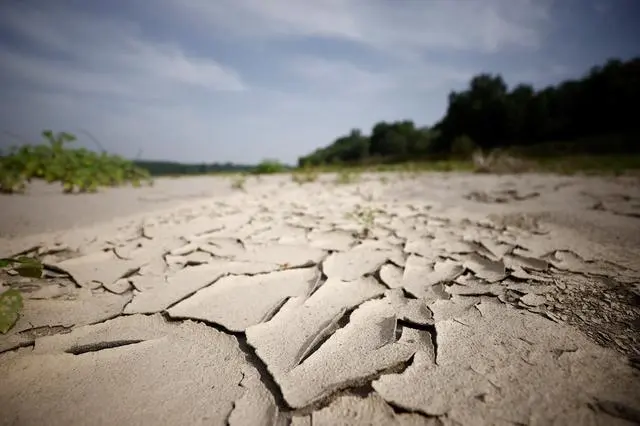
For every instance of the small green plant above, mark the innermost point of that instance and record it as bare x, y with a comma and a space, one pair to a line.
76, 169
238, 182
11, 300
346, 177
24, 266
269, 167
365, 217
10, 307
304, 175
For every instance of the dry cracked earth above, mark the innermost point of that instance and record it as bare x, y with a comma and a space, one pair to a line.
439, 299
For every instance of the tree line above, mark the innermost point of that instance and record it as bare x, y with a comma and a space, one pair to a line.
595, 114
168, 168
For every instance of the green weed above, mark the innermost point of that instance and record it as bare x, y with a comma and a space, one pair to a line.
239, 182
76, 169
11, 300
304, 176
365, 216
346, 177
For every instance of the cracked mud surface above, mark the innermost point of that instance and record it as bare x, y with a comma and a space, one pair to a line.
445, 299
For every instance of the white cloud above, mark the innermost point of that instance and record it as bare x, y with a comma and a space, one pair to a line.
275, 18
100, 55
485, 26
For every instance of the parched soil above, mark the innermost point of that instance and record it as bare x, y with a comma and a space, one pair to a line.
438, 299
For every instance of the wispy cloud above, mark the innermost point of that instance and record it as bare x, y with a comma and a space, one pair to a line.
85, 53
438, 24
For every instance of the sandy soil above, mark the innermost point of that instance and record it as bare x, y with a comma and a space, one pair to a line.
435, 299
44, 208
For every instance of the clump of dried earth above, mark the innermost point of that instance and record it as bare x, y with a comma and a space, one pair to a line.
459, 300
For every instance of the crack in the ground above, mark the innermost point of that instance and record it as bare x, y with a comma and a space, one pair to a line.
18, 346
399, 409
53, 268
415, 325
429, 328
355, 387
339, 321
320, 280
121, 257
265, 375
128, 274
250, 356
100, 346
109, 318
407, 294
46, 330
26, 252
234, 403
275, 309
35, 333
617, 410
315, 342
184, 297
433, 333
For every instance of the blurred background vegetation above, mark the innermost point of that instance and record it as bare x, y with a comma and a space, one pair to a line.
597, 115
588, 124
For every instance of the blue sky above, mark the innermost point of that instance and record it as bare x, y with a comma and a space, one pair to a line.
243, 80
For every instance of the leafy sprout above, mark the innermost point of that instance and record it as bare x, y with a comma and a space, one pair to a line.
365, 217
238, 182
11, 300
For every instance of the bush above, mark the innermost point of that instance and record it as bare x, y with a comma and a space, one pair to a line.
76, 169
269, 167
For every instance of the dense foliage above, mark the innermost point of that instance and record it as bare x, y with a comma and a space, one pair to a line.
596, 114
76, 169
169, 168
